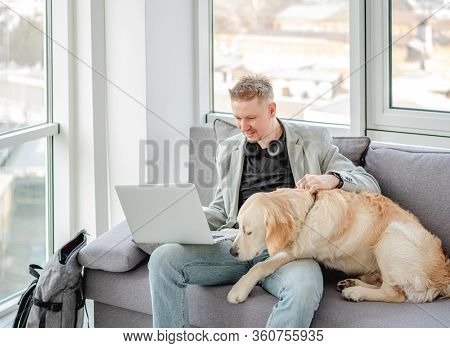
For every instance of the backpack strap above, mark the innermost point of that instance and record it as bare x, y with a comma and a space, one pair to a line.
26, 300
25, 303
32, 269
80, 301
43, 306
50, 306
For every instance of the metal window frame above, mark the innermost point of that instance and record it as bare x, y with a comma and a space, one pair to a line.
51, 130
380, 115
357, 70
26, 134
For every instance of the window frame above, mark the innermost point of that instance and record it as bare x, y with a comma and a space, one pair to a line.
46, 130
380, 115
204, 71
63, 147
370, 109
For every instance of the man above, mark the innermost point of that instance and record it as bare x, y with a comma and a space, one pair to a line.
268, 154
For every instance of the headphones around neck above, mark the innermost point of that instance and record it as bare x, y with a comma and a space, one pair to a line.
275, 148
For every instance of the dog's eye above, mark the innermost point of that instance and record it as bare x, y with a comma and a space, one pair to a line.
248, 233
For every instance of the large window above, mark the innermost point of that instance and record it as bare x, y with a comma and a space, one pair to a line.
420, 56
25, 141
408, 75
22, 70
22, 209
301, 45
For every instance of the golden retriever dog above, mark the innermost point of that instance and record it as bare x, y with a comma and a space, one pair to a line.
360, 234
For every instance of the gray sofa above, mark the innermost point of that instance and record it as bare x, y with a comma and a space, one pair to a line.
417, 178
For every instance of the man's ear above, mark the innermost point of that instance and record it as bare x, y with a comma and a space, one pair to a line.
279, 231
272, 109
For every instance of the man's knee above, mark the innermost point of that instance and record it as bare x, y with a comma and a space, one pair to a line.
298, 286
308, 285
164, 257
302, 280
311, 271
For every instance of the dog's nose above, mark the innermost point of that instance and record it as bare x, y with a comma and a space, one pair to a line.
234, 252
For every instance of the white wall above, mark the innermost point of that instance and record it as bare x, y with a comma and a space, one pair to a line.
126, 107
129, 61
63, 144
107, 116
91, 170
83, 142
170, 87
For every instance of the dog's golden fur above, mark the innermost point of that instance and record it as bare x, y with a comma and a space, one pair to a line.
361, 234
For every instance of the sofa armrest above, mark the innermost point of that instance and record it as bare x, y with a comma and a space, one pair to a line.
113, 251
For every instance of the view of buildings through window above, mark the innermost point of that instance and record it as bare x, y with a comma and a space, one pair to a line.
303, 47
22, 167
421, 54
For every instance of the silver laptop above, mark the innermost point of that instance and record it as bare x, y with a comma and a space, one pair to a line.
167, 213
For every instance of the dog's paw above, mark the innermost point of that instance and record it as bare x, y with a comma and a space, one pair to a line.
343, 284
354, 293
238, 294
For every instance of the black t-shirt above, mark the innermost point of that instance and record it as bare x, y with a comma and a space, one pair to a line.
263, 173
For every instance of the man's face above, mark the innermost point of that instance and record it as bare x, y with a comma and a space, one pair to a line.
254, 117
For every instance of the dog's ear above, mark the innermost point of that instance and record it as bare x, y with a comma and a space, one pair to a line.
279, 230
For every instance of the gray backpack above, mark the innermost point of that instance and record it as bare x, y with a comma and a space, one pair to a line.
56, 298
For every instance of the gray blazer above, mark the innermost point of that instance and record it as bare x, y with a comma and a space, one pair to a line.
310, 151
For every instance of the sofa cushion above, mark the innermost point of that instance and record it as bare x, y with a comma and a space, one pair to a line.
354, 148
108, 316
113, 251
416, 179
129, 290
148, 248
336, 312
202, 164
208, 307
224, 130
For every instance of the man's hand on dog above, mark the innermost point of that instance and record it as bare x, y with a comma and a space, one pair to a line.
314, 183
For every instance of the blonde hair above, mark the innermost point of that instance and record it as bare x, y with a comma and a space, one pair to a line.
252, 86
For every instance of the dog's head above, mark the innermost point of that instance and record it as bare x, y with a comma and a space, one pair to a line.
269, 221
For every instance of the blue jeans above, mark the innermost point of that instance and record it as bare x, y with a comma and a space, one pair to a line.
298, 285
